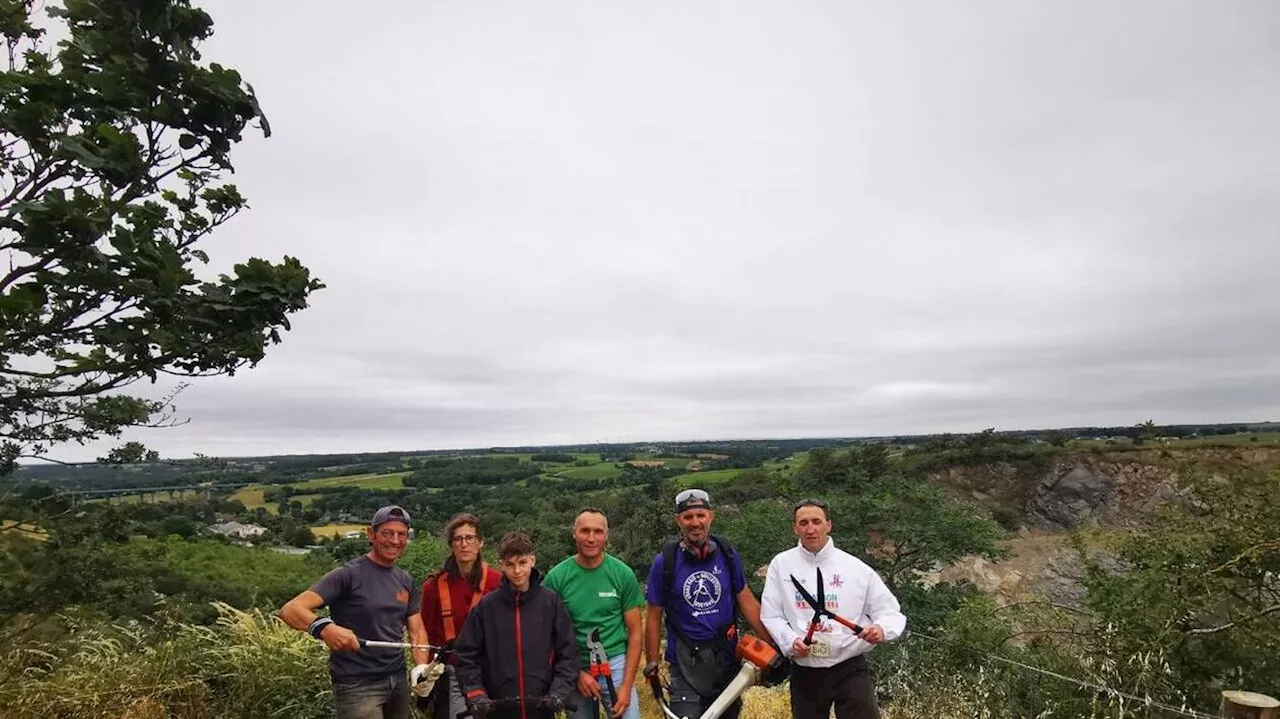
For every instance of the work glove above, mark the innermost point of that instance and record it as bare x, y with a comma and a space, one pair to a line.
424, 676
481, 707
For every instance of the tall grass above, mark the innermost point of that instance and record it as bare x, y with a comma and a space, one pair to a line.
249, 664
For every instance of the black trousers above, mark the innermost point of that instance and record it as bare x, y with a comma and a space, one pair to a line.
686, 702
847, 685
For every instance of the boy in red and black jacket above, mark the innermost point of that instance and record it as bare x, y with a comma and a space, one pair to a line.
518, 656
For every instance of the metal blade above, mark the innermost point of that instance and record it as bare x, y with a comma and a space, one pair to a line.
817, 607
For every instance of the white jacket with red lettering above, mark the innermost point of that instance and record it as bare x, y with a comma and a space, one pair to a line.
853, 590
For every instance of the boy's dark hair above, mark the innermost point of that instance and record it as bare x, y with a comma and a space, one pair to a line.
514, 544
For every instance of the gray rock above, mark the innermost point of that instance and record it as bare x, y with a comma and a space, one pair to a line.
1071, 494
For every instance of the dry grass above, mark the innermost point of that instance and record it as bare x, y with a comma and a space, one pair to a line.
758, 703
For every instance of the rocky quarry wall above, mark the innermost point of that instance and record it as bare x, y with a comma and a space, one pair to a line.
1113, 491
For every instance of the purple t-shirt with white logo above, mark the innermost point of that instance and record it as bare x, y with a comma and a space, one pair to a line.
702, 596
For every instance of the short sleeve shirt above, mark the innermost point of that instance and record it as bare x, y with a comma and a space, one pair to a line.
374, 602
702, 595
597, 598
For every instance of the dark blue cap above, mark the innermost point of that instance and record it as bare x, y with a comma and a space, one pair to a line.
390, 514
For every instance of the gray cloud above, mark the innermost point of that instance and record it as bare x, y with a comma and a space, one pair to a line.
609, 220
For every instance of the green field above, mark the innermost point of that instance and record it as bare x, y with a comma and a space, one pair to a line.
365, 481
252, 496
674, 462
708, 478
789, 465
1242, 440
603, 470
150, 497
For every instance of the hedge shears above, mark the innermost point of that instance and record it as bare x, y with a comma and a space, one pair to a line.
820, 608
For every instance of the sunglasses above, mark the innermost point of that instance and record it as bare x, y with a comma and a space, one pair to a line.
692, 494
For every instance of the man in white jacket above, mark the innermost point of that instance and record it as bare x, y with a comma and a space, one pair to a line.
833, 669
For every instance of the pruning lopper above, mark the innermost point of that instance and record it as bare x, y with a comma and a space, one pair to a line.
599, 667
820, 608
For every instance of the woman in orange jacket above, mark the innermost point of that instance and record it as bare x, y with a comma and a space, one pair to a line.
447, 599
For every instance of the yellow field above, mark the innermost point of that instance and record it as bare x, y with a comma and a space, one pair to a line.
336, 530
29, 531
252, 498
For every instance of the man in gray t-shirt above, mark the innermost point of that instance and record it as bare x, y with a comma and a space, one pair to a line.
368, 598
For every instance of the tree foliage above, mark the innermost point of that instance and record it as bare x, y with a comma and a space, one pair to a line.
113, 146
1201, 586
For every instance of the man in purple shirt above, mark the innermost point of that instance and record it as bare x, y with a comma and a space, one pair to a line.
700, 586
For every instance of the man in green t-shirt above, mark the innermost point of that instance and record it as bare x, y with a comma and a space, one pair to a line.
601, 593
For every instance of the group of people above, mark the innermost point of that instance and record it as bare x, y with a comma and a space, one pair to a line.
513, 642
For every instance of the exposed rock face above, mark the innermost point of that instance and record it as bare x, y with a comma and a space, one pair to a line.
1117, 489
1071, 494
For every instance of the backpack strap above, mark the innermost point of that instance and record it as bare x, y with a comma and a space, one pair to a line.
446, 607
668, 570
670, 551
446, 601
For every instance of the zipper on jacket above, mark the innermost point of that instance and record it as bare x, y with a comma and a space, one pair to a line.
520, 656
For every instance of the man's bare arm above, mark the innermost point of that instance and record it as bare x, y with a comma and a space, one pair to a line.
750, 608
418, 635
300, 612
653, 634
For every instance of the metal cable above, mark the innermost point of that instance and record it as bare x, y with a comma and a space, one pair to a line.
1079, 682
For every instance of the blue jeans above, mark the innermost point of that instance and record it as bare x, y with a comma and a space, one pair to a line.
587, 707
382, 698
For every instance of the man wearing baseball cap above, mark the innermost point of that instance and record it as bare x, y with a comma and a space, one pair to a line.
699, 584
369, 598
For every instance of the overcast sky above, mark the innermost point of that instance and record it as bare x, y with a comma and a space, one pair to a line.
598, 220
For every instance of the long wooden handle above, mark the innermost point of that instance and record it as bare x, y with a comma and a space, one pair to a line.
852, 625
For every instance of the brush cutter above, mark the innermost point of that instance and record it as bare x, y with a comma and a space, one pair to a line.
760, 663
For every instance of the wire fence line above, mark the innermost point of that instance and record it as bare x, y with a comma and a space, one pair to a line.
1083, 683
